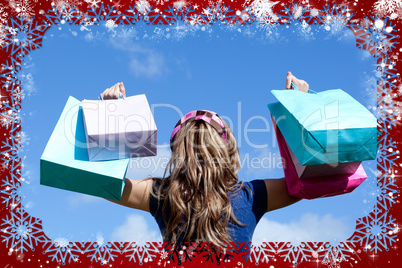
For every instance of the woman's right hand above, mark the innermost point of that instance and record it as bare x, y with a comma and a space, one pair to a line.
300, 84
114, 92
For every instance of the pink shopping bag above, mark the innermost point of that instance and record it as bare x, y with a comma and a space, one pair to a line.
310, 187
348, 168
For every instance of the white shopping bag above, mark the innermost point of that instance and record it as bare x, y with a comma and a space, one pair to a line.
119, 128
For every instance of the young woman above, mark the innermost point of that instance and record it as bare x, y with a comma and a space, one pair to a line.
202, 199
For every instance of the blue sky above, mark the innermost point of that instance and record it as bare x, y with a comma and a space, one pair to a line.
229, 70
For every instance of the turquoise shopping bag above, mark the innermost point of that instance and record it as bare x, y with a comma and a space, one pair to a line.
325, 127
65, 164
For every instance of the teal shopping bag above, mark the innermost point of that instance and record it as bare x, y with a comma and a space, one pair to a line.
65, 164
325, 127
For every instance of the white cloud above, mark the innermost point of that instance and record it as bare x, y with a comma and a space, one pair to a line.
135, 229
310, 227
78, 199
364, 54
89, 37
262, 163
143, 61
150, 65
30, 204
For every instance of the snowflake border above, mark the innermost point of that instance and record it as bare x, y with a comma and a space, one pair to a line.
366, 33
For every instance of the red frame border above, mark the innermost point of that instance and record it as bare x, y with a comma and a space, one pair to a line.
364, 12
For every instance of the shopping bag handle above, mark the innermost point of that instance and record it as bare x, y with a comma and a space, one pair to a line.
293, 86
121, 96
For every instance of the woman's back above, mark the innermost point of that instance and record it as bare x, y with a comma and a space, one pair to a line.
202, 177
249, 205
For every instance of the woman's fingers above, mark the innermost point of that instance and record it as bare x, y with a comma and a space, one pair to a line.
106, 94
122, 89
289, 77
114, 92
300, 84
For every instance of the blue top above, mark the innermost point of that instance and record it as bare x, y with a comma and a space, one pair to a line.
247, 208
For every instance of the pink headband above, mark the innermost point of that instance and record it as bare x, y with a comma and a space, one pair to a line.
207, 116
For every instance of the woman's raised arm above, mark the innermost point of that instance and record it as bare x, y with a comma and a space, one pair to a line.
136, 194
277, 192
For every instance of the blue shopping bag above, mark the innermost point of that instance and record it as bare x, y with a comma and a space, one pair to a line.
325, 127
65, 163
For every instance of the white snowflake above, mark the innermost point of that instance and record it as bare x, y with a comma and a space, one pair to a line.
294, 13
375, 38
21, 232
391, 8
164, 255
22, 35
298, 12
335, 252
63, 12
93, 2
65, 3
110, 24
376, 231
10, 196
262, 9
142, 253
335, 24
304, 30
296, 253
180, 30
61, 250
27, 83
61, 242
22, 7
160, 2
143, 6
3, 15
399, 90
10, 148
217, 12
180, 4
101, 252
262, 253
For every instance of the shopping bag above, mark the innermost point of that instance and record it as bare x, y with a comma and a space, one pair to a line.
65, 164
347, 168
310, 187
121, 128
326, 127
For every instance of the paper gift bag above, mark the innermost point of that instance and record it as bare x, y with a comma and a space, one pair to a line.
310, 187
347, 168
64, 163
117, 129
326, 127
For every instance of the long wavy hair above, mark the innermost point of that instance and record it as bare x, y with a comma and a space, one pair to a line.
203, 172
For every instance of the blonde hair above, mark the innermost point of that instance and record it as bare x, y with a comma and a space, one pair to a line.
203, 172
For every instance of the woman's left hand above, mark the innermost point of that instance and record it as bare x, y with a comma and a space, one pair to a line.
114, 92
300, 84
